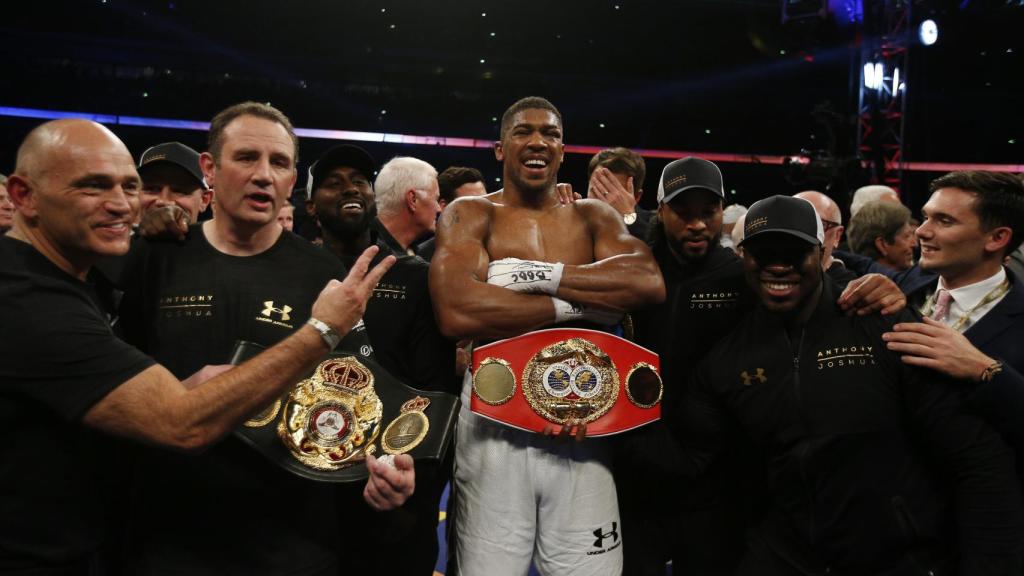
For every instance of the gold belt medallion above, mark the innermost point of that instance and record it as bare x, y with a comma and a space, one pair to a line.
332, 418
408, 429
571, 381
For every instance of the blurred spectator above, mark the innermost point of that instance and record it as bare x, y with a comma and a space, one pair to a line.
832, 223
407, 203
866, 194
616, 177
729, 218
6, 207
458, 181
455, 182
171, 177
286, 217
737, 234
881, 230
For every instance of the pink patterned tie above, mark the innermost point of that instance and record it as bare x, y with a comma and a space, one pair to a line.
942, 301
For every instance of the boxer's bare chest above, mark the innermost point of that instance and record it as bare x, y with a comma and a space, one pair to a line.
559, 234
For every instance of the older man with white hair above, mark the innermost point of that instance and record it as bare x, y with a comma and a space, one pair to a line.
866, 194
407, 202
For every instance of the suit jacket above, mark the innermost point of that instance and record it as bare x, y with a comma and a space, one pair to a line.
1000, 334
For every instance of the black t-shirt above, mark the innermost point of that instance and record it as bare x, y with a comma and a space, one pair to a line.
408, 344
402, 328
60, 357
228, 510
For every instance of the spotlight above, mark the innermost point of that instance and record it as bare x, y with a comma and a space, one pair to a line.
928, 32
874, 75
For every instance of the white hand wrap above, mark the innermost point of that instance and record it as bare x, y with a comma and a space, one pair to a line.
527, 276
387, 460
568, 312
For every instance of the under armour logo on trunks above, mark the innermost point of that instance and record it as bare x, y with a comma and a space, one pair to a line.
602, 536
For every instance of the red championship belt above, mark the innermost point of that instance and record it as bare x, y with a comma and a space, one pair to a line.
566, 375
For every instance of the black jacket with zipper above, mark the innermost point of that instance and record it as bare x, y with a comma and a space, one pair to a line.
873, 466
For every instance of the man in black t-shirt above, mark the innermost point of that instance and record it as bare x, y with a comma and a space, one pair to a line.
401, 326
239, 276
76, 190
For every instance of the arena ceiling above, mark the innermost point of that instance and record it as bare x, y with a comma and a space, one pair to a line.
714, 75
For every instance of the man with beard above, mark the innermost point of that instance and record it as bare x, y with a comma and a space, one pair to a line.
873, 466
700, 528
522, 496
406, 342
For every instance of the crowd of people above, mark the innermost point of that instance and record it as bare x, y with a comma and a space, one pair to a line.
837, 399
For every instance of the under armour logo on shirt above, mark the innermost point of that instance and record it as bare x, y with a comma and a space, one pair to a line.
758, 375
284, 312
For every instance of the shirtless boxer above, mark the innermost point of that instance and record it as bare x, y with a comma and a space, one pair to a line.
523, 496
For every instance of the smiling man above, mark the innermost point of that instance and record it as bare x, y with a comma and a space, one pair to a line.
974, 311
239, 276
847, 430
171, 176
65, 374
401, 328
522, 496
882, 231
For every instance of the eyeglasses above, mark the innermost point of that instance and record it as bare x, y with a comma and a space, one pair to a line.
827, 225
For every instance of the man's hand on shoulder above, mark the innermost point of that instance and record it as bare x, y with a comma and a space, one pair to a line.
165, 223
872, 293
934, 345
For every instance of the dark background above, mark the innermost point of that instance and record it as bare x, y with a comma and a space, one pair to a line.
690, 75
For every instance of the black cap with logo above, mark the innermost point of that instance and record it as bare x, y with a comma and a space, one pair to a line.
341, 155
172, 153
686, 173
785, 215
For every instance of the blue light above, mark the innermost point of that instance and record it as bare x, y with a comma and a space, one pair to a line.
847, 12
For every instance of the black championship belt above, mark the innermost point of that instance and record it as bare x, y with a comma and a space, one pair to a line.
346, 407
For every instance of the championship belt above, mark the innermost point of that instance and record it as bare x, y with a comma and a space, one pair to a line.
567, 376
346, 408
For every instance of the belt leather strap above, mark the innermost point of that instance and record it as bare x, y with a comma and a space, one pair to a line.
565, 376
347, 406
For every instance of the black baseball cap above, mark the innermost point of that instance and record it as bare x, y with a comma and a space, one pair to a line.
172, 153
785, 215
341, 155
686, 173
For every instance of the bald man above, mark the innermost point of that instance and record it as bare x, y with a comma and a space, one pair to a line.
831, 221
65, 376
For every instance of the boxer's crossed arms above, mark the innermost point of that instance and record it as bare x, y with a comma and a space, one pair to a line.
504, 267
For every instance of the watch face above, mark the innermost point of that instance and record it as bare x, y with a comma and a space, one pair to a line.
629, 218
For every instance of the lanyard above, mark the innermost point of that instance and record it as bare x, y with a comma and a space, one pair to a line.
993, 294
